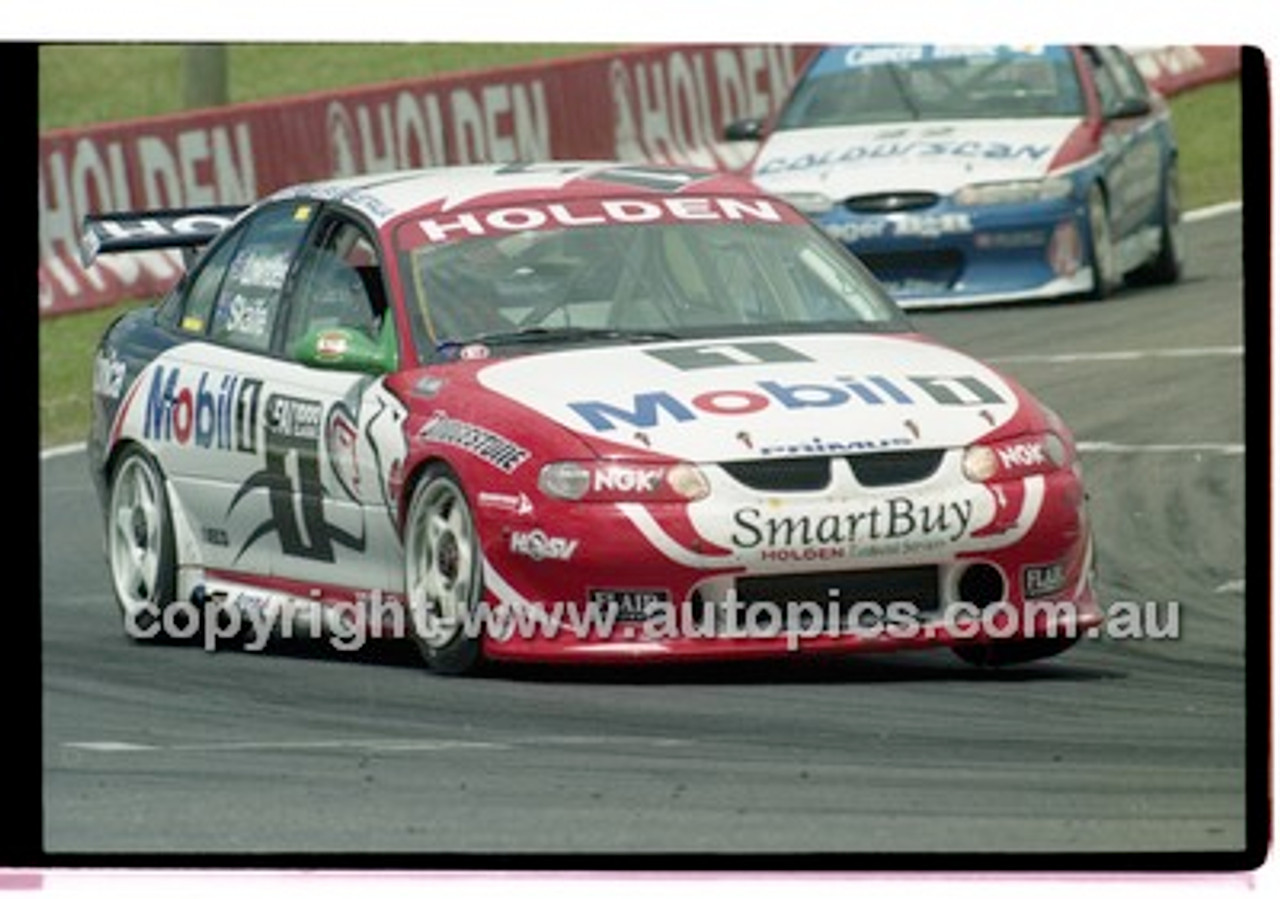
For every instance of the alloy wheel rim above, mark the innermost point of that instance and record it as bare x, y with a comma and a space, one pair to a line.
440, 563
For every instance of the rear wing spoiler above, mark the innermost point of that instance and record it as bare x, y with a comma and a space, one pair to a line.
166, 229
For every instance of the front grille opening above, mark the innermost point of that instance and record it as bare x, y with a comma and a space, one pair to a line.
931, 266
890, 202
895, 467
781, 475
868, 594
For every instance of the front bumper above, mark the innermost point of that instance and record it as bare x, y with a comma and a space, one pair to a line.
952, 255
888, 569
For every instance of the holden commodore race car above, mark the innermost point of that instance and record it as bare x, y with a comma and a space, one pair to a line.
976, 174
568, 412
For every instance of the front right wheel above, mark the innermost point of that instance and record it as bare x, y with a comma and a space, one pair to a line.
443, 583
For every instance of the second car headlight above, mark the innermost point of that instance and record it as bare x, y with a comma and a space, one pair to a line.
1039, 190
809, 203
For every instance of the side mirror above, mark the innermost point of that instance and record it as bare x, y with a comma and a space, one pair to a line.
744, 130
347, 349
1130, 108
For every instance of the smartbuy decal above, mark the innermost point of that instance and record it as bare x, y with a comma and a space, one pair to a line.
782, 536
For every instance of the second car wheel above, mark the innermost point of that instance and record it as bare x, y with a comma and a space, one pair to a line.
1166, 267
443, 583
1102, 250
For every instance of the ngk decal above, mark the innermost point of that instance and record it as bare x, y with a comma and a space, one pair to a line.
627, 479
1021, 455
538, 545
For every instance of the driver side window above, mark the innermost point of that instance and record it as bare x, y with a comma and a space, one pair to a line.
339, 283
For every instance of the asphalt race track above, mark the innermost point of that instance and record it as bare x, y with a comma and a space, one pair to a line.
1120, 746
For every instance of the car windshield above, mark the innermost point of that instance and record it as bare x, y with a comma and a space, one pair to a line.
874, 84
602, 280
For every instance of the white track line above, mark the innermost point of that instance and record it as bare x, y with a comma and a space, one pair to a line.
1098, 446
373, 745
1190, 352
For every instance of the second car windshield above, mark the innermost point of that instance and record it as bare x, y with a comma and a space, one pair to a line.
873, 84
636, 281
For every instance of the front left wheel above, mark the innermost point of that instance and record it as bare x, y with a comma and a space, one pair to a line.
443, 584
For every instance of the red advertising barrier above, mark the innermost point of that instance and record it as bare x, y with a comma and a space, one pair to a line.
659, 104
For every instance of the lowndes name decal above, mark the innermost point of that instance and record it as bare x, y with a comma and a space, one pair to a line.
595, 212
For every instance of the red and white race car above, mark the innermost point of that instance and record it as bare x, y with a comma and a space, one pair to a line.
568, 412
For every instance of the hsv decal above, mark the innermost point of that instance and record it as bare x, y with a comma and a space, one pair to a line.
539, 545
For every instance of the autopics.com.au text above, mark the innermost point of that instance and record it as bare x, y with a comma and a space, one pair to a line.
348, 626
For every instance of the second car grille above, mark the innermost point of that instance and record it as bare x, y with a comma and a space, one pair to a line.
940, 267
869, 590
890, 202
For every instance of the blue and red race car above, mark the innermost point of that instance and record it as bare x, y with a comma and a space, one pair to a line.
976, 174
569, 412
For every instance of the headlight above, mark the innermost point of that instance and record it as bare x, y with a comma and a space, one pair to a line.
1018, 457
995, 192
611, 481
809, 203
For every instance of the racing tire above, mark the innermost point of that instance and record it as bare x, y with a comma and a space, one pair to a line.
141, 552
1102, 250
443, 582
1167, 266
1014, 652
